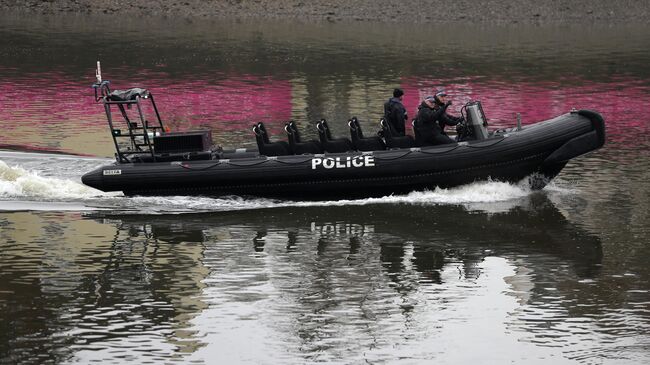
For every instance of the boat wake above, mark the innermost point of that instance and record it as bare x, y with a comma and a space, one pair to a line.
16, 182
46, 188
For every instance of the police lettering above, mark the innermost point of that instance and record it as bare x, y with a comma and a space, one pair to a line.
343, 162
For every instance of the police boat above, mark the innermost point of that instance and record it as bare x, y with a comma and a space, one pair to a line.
152, 161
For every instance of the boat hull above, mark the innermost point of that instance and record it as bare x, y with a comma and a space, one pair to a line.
537, 151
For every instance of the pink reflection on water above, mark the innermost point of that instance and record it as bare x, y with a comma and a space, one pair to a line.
232, 100
220, 98
195, 101
232, 103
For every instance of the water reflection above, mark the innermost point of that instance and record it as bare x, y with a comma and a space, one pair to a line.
370, 273
71, 289
301, 282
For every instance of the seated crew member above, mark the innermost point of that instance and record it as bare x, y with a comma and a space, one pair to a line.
395, 113
432, 118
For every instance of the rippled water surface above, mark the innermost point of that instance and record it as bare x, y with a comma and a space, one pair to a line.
488, 273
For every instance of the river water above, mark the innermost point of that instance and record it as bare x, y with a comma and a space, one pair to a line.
487, 273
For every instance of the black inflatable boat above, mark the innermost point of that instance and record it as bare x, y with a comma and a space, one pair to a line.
151, 161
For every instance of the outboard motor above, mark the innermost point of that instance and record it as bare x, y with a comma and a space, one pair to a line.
475, 126
476, 120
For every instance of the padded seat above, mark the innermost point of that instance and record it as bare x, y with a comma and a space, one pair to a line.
265, 146
392, 139
296, 145
361, 143
330, 144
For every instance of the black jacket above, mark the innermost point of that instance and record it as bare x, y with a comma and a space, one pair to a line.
430, 124
446, 119
395, 114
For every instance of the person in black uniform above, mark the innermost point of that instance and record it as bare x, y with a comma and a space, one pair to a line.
395, 113
431, 120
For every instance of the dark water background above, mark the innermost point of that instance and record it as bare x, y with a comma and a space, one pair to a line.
485, 273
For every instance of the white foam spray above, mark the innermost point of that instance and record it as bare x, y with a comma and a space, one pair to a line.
486, 192
16, 182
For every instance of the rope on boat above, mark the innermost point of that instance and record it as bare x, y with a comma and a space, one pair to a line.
229, 162
308, 159
221, 162
187, 167
484, 146
393, 158
439, 152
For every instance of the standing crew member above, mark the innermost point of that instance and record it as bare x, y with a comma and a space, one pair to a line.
395, 113
432, 118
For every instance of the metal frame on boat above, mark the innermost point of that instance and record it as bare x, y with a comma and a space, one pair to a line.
139, 134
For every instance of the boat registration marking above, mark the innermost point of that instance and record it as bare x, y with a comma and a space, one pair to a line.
342, 162
112, 172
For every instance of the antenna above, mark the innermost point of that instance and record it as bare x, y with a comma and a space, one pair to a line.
99, 84
98, 73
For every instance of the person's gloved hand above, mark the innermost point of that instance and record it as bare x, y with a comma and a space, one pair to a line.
448, 103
